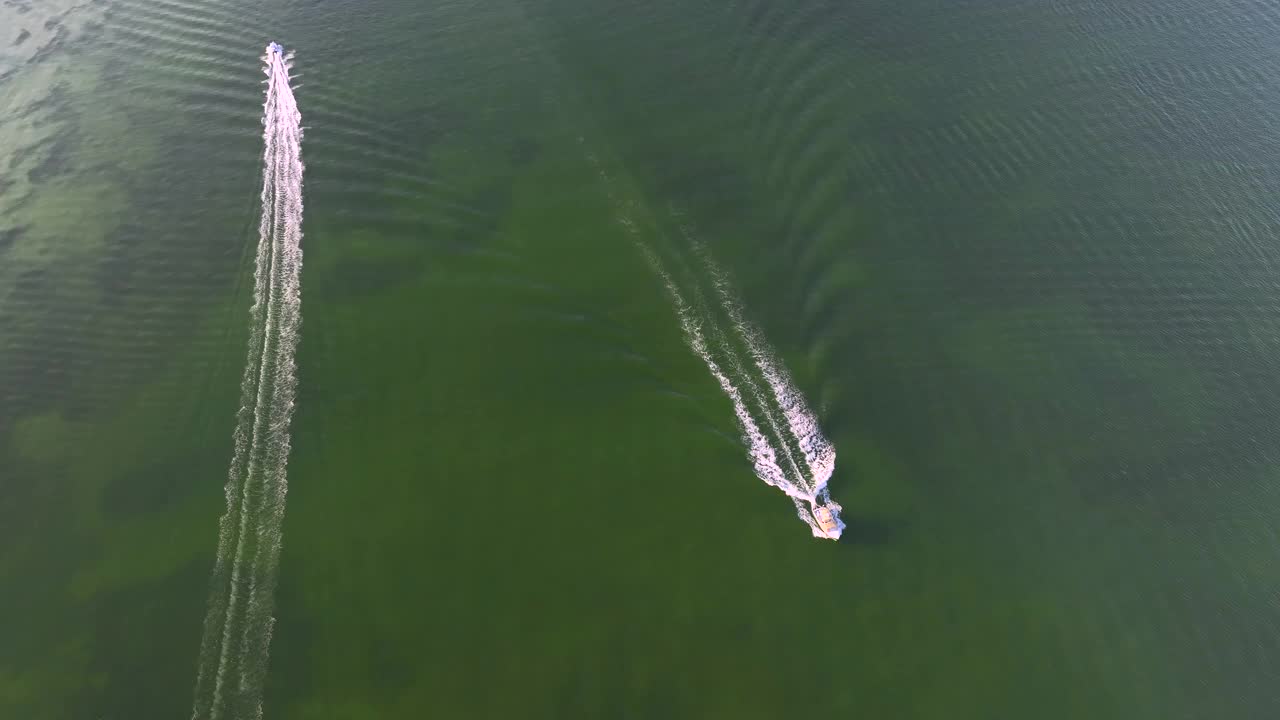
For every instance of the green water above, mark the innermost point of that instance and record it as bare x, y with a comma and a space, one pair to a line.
1018, 256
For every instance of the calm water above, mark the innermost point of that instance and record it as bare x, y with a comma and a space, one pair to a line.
1020, 257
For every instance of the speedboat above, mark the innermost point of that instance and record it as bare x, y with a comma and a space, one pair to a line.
828, 522
275, 48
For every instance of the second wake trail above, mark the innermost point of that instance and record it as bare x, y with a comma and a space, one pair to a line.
780, 433
238, 624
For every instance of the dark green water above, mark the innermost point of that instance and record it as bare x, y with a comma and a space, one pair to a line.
1020, 257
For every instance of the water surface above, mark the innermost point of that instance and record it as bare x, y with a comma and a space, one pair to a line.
1017, 255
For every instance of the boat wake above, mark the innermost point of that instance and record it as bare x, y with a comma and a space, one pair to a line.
810, 457
238, 624
781, 434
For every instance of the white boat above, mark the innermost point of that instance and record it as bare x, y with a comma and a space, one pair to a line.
828, 522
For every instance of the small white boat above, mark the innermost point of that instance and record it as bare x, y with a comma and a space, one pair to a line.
828, 522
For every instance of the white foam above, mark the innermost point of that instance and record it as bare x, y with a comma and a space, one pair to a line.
794, 485
233, 654
764, 459
807, 490
819, 454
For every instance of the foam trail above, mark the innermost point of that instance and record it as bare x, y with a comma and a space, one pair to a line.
238, 623
819, 455
794, 486
763, 458
807, 496
818, 452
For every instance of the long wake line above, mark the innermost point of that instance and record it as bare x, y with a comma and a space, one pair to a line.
813, 466
238, 624
819, 455
812, 461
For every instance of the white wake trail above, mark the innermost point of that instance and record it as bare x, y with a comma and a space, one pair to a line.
809, 491
763, 458
237, 631
794, 484
819, 454
810, 497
